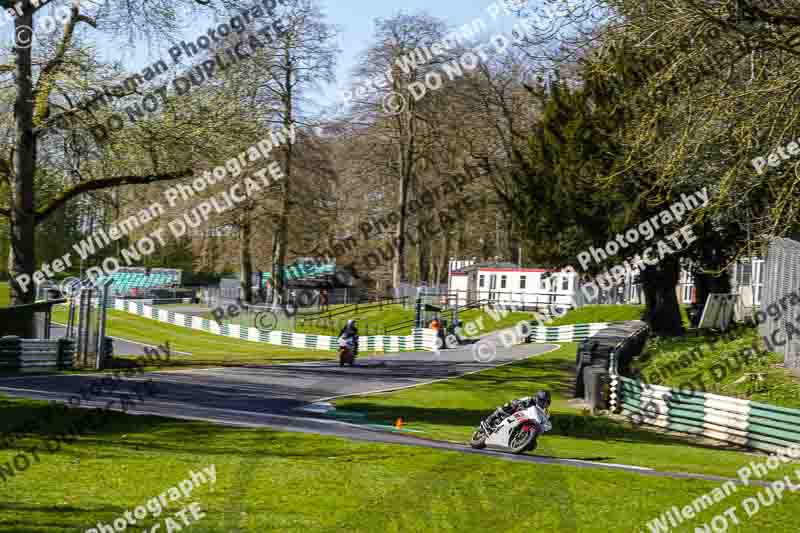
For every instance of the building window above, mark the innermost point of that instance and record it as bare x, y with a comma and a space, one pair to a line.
522, 282
543, 283
565, 284
481, 281
746, 273
503, 282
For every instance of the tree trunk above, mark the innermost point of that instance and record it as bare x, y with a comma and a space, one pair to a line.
22, 255
502, 237
712, 259
275, 238
279, 257
423, 253
399, 266
662, 311
245, 262
706, 283
444, 264
405, 162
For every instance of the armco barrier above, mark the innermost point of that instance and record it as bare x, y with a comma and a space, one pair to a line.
34, 354
420, 339
619, 342
571, 333
732, 420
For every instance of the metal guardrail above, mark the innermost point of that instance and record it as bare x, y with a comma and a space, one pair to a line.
726, 419
24, 354
732, 420
599, 351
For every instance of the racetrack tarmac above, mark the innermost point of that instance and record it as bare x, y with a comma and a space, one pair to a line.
277, 388
274, 395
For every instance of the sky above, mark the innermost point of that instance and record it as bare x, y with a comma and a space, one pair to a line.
356, 21
356, 17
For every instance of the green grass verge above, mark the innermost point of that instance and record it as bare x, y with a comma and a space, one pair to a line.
273, 481
5, 296
198, 307
205, 348
450, 410
373, 321
600, 313
670, 362
607, 313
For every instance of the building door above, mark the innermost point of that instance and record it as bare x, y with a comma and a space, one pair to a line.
492, 287
472, 286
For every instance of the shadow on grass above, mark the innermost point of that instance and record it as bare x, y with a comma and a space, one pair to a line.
120, 435
574, 426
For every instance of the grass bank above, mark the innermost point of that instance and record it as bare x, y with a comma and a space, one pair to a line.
374, 321
599, 313
274, 481
724, 364
450, 410
607, 313
205, 348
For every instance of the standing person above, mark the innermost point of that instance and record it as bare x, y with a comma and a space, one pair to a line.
438, 327
323, 299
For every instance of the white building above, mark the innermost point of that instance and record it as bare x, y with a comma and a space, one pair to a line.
509, 284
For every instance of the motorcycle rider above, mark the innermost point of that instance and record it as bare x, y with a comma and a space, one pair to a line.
541, 399
350, 332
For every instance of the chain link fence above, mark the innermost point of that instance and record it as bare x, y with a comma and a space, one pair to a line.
782, 278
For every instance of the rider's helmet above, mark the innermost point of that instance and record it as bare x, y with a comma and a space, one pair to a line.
542, 400
350, 323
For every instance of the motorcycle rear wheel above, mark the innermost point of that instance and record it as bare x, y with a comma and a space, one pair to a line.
522, 441
478, 439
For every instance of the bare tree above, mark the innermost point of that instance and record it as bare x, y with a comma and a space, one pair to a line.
398, 56
34, 81
303, 56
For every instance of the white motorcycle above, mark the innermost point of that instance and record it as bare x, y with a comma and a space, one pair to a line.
518, 432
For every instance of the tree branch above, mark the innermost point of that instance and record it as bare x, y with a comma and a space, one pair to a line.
41, 95
756, 13
105, 183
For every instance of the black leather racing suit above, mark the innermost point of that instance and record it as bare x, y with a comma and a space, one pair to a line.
509, 409
351, 332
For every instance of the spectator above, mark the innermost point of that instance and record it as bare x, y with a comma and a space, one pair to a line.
436, 325
323, 299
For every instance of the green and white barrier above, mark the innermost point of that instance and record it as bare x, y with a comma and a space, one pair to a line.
733, 420
571, 333
420, 339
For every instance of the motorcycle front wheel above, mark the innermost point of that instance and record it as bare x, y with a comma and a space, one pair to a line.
522, 440
478, 439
